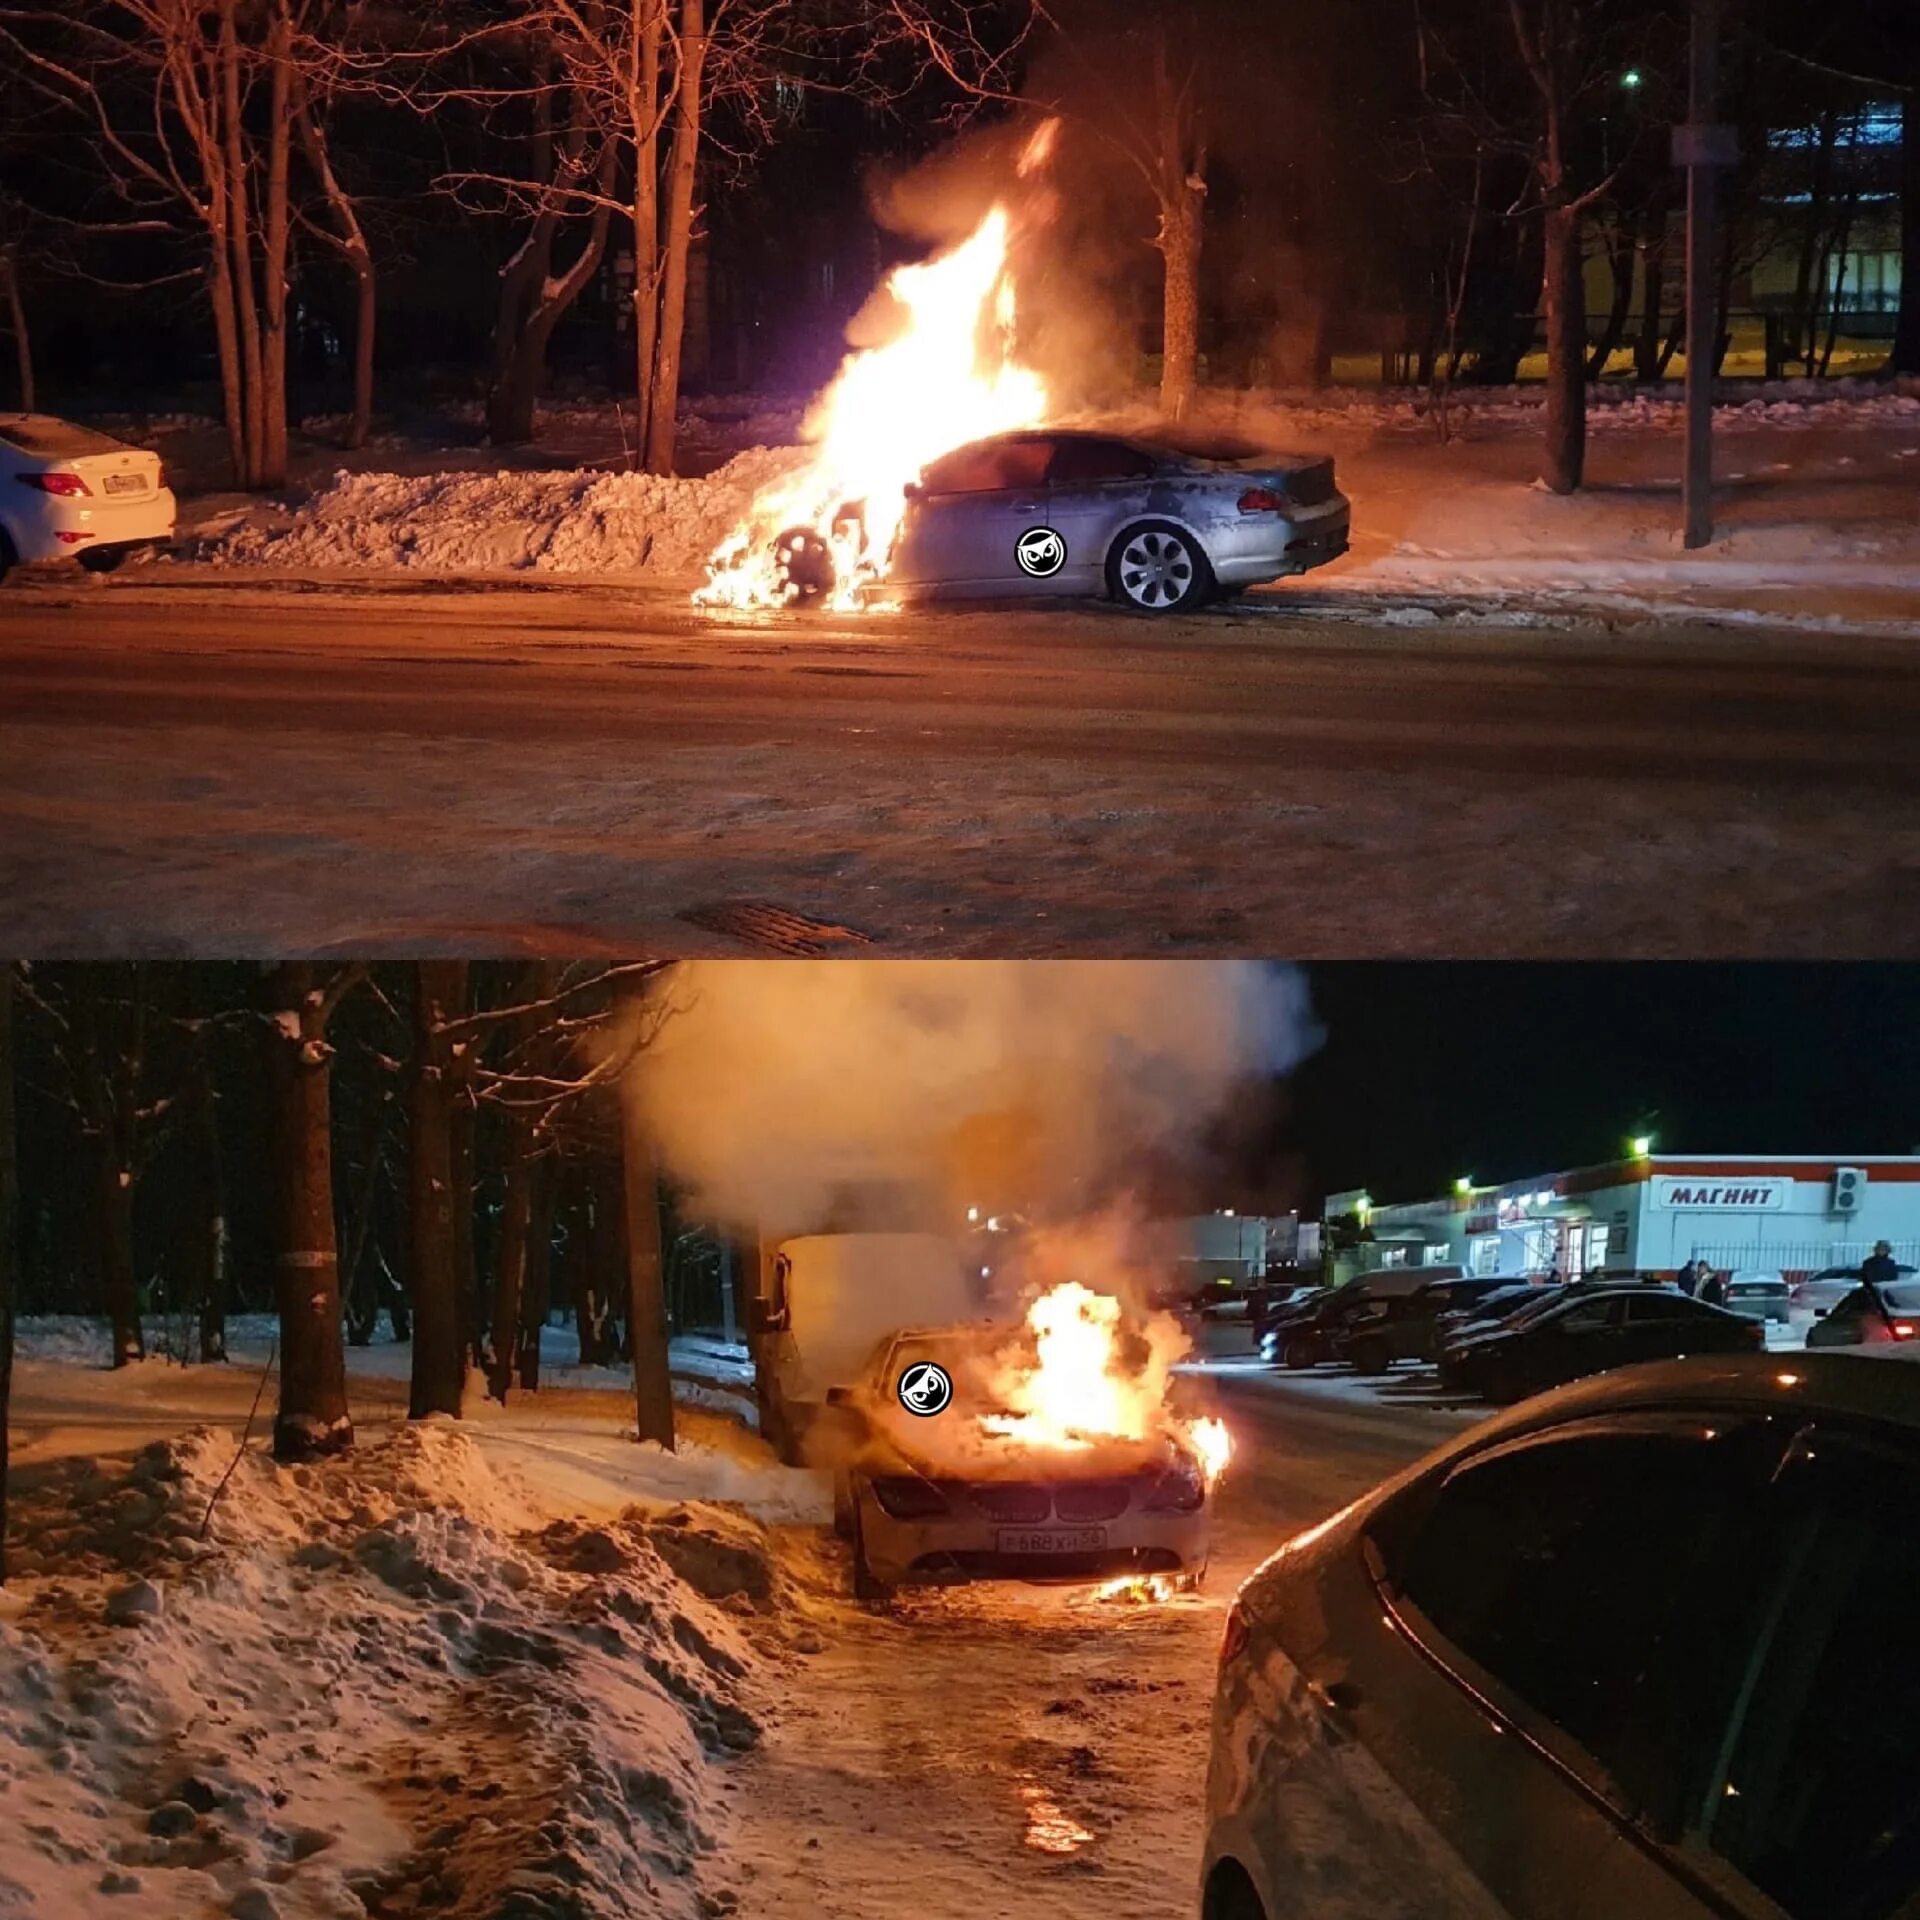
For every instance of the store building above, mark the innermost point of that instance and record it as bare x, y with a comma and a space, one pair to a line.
1652, 1214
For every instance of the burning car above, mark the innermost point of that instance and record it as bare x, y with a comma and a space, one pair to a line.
1069, 512
1051, 1459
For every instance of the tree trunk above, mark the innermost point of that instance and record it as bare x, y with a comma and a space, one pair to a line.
9, 1237
113, 1231
1566, 442
352, 243
644, 111
206, 1245
1647, 363
273, 255
663, 403
239, 231
468, 1281
511, 1268
439, 1349
537, 1290
590, 1264
312, 1420
1180, 233
1620, 260
17, 326
1905, 357
646, 1293
363, 1297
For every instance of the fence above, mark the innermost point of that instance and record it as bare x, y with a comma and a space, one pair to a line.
1797, 1259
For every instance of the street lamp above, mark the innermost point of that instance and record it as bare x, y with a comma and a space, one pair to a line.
1464, 1185
1641, 1144
1632, 79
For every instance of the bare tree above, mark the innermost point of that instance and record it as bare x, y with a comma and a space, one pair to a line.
204, 1281
439, 1353
14, 306
647, 1299
313, 1419
191, 111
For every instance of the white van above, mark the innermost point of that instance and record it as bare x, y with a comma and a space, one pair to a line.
829, 1299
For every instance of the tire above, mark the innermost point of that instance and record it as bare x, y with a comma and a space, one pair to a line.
868, 1587
808, 562
9, 555
102, 559
843, 1506
1369, 1356
1301, 1353
1156, 567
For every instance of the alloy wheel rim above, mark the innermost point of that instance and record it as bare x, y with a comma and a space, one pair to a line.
1155, 569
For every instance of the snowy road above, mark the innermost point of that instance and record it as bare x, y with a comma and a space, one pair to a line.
192, 761
1005, 1751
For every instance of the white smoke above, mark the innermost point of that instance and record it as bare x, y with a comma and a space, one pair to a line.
773, 1086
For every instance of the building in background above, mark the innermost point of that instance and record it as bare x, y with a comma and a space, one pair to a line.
1649, 1214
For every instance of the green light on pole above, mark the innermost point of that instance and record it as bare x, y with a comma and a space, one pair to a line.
1632, 79
1464, 1185
1642, 1145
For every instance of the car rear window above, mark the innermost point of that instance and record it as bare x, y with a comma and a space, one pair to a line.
54, 439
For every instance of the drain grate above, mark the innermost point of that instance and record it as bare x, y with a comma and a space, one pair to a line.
778, 929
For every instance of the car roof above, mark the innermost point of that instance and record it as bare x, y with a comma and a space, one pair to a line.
1815, 1382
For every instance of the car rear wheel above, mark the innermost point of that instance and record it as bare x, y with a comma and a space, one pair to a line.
1158, 568
1369, 1356
9, 558
102, 559
1300, 1354
843, 1506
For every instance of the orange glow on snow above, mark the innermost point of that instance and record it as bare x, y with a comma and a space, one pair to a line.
949, 376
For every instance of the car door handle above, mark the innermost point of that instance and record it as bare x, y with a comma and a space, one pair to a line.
1023, 506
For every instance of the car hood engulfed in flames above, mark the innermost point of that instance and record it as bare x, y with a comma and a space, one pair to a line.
1080, 1390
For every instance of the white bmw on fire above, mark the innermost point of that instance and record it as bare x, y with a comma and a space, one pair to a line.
69, 493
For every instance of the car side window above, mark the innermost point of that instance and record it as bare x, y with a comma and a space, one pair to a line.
1590, 1314
1080, 462
1815, 1798
1658, 1306
991, 467
1580, 1571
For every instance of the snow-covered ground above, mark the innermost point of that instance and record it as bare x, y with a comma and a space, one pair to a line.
523, 1666
1817, 511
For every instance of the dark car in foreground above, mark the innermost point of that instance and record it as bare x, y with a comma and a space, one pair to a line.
1590, 1330
1640, 1647
1055, 511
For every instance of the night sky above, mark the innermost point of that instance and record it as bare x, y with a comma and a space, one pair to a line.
1431, 1071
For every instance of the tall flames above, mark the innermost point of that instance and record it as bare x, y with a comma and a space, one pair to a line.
1088, 1375
950, 375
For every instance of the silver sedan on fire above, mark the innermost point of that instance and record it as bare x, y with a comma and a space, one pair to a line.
1053, 511
926, 1495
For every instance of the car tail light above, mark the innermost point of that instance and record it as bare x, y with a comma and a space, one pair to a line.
1261, 500
905, 1498
1903, 1329
68, 484
1233, 1643
1179, 1490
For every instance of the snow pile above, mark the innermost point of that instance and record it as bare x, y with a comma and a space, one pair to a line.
580, 521
393, 1682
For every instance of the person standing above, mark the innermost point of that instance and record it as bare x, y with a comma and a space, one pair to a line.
1712, 1289
1879, 1270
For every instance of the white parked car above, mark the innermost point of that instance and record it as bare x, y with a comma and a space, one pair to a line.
69, 493
1629, 1649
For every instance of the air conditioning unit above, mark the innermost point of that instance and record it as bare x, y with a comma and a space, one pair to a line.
1849, 1189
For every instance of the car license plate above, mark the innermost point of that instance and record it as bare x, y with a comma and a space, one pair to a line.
126, 483
1052, 1540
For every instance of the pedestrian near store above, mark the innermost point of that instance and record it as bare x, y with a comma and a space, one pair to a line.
1712, 1289
1878, 1270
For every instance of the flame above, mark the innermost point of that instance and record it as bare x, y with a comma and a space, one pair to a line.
948, 377
1093, 1375
1135, 1590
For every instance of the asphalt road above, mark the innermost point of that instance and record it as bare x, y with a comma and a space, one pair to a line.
195, 763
